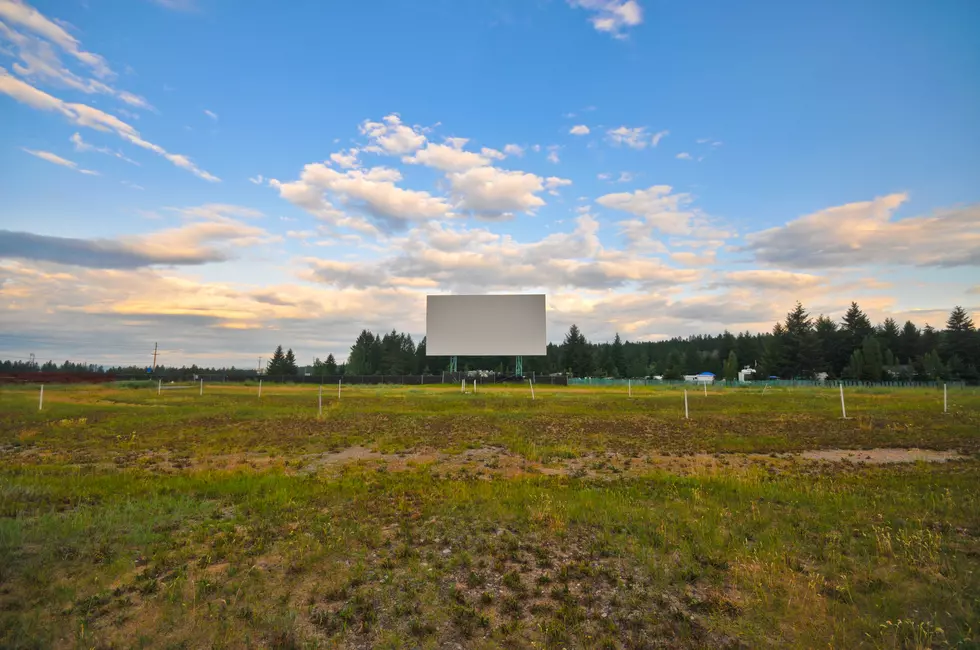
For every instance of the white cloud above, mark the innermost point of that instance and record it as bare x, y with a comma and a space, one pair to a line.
579, 129
40, 60
865, 233
346, 160
658, 136
772, 279
81, 145
27, 17
660, 210
604, 176
552, 183
132, 185
612, 16
514, 150
258, 179
492, 193
391, 136
211, 114
371, 193
624, 177
553, 157
448, 157
633, 137
684, 156
93, 118
58, 160
492, 154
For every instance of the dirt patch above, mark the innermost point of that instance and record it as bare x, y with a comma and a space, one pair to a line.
882, 456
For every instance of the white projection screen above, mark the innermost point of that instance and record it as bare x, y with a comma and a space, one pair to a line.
490, 326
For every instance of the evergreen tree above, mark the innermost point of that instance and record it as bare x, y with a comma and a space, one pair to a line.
960, 342
856, 327
801, 349
828, 339
359, 362
289, 365
889, 335
873, 360
774, 357
932, 366
576, 353
908, 343
618, 356
673, 367
330, 365
731, 367
277, 364
855, 367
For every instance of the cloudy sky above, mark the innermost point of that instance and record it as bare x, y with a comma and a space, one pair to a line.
221, 177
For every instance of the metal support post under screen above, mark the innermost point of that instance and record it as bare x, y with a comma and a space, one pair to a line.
519, 367
452, 364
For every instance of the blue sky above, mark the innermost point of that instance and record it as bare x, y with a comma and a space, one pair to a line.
224, 176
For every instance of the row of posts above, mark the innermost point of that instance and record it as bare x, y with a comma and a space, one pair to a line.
629, 388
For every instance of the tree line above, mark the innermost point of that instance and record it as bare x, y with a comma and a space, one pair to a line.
800, 347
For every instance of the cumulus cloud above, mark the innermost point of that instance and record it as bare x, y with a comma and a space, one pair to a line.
579, 129
372, 193
448, 157
662, 213
514, 150
93, 118
460, 259
771, 279
347, 160
391, 136
612, 16
58, 160
552, 183
684, 156
494, 193
633, 137
865, 232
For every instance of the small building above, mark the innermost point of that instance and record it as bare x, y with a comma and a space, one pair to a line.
746, 374
701, 378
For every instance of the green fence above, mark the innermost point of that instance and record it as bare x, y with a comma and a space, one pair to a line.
774, 383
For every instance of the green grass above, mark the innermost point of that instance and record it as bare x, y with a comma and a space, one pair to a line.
581, 519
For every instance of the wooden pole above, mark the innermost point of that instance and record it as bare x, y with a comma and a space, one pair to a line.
40, 403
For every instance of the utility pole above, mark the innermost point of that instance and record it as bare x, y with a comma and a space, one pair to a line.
258, 370
154, 357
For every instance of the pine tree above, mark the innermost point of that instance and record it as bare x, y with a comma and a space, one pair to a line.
774, 357
359, 361
330, 365
855, 367
960, 342
801, 348
618, 356
855, 328
828, 339
576, 353
873, 360
932, 366
888, 335
731, 367
289, 365
277, 364
908, 343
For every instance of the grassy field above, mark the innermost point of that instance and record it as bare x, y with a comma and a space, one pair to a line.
423, 517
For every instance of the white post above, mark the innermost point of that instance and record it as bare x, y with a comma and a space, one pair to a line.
462, 386
686, 414
40, 404
474, 387
705, 389
629, 386
766, 387
159, 386
944, 398
340, 383
843, 410
532, 389
260, 388
319, 402
202, 387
